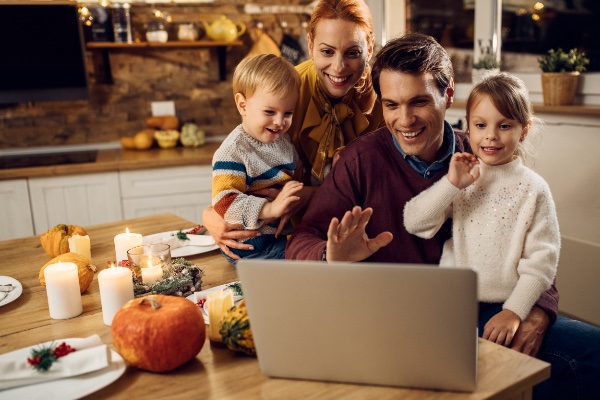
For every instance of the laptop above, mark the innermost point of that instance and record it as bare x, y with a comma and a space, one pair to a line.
405, 325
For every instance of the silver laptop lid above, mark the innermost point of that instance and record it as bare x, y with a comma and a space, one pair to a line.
382, 324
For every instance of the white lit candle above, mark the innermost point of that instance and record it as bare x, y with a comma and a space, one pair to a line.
80, 245
216, 304
124, 242
151, 273
62, 288
116, 289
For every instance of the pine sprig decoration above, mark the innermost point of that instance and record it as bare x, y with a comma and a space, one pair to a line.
42, 358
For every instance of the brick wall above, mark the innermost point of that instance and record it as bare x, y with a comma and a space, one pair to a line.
189, 77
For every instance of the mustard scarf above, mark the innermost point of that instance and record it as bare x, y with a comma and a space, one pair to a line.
331, 126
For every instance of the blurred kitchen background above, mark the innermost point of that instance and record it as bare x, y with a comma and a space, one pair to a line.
104, 90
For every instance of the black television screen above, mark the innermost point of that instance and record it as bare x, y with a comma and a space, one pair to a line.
42, 54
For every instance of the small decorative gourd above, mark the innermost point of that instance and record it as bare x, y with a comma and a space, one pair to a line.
85, 269
55, 241
158, 333
235, 329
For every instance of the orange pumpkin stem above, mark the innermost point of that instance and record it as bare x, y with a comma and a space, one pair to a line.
153, 302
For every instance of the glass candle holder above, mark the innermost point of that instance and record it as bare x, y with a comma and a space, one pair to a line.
149, 261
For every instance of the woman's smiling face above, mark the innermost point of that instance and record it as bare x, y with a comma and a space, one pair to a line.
340, 51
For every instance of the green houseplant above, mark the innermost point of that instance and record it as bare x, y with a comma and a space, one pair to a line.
485, 64
560, 75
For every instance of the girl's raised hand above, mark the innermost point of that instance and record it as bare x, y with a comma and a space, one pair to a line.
461, 173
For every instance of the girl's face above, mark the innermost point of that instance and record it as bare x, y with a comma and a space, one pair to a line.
494, 138
340, 52
265, 115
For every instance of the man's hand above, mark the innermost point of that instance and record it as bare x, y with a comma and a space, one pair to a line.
461, 172
501, 327
347, 239
226, 234
530, 334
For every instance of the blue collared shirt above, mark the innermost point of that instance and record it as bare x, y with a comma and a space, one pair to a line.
428, 171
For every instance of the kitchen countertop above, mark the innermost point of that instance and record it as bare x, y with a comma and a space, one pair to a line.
110, 160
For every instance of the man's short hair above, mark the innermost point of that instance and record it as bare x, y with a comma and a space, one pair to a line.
414, 53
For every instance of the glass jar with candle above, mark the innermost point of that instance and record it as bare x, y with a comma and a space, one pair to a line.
156, 257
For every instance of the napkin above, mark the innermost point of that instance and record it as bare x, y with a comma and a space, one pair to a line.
90, 355
193, 240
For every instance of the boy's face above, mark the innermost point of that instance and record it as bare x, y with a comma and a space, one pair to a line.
265, 115
414, 112
494, 138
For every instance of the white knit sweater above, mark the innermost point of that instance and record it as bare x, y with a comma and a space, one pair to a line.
504, 226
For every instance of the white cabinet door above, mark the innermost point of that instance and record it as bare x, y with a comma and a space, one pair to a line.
15, 212
183, 191
87, 199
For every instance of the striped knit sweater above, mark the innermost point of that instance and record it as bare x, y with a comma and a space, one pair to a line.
243, 164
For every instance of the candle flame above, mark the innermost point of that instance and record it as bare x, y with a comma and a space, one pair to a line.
112, 265
150, 264
127, 232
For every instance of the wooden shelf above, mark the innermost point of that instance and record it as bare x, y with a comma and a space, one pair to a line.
172, 44
538, 108
102, 51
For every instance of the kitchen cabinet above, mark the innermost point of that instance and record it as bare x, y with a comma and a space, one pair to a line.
15, 213
184, 191
86, 199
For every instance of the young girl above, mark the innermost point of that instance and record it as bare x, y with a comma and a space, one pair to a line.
504, 223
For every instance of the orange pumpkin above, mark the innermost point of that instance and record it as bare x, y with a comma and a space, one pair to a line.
55, 241
158, 333
85, 269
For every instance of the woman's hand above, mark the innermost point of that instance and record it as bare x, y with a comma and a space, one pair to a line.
226, 234
501, 328
347, 239
462, 172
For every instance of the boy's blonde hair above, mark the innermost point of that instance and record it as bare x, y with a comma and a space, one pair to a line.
268, 71
510, 96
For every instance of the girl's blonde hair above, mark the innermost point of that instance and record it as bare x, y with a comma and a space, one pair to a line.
510, 96
355, 11
267, 71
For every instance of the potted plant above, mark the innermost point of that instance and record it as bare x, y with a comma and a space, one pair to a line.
560, 75
485, 64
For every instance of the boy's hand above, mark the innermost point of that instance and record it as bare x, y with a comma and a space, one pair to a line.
283, 202
501, 327
461, 173
304, 196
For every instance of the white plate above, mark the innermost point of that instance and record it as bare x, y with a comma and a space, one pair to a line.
13, 294
194, 297
67, 388
180, 251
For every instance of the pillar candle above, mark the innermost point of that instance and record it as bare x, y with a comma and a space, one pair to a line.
215, 306
80, 245
62, 288
124, 242
152, 273
116, 289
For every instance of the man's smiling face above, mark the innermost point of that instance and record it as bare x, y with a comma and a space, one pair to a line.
414, 111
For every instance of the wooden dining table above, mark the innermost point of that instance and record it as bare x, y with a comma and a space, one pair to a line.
216, 372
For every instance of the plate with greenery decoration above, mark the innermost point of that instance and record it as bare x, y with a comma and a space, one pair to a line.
184, 242
182, 278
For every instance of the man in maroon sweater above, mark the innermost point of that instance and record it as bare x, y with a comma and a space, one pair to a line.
357, 214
